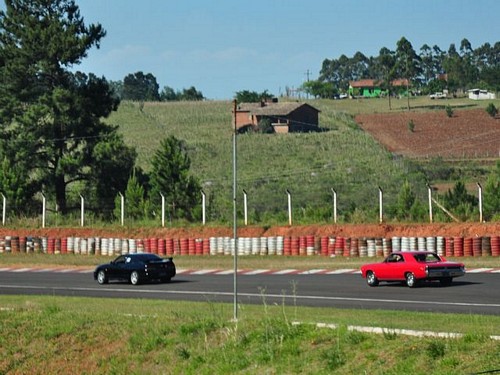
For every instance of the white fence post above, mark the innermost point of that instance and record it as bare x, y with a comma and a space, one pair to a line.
245, 206
82, 211
203, 207
43, 210
4, 208
122, 209
162, 210
334, 205
480, 202
430, 203
289, 207
380, 205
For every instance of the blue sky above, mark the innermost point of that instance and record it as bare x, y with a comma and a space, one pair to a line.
224, 46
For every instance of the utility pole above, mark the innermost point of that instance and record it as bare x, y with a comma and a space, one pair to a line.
235, 225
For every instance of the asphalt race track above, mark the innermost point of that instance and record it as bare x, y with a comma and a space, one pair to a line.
475, 293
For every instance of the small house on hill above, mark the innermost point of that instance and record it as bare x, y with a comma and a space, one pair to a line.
371, 88
478, 94
286, 117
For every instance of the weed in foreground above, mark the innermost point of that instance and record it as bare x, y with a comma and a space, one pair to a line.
436, 349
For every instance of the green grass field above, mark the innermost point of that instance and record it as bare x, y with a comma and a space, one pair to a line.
49, 335
308, 165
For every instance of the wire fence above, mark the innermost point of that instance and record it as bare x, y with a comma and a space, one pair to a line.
379, 208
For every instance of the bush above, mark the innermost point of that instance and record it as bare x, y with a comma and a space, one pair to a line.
491, 110
411, 126
449, 111
265, 126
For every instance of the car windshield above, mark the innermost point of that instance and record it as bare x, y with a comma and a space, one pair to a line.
427, 258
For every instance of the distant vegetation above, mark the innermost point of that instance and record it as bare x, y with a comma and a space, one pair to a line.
144, 88
343, 158
430, 70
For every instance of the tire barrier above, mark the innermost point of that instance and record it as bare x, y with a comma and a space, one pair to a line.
495, 246
328, 246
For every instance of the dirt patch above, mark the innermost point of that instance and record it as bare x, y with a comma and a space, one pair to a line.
346, 230
467, 134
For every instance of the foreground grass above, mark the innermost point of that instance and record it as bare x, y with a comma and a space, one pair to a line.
46, 335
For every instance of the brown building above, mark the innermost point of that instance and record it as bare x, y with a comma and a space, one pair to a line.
285, 117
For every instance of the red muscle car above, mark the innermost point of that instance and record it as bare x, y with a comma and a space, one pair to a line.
412, 267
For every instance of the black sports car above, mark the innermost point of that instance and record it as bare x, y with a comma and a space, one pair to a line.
136, 268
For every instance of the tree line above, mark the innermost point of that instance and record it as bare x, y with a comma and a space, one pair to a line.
431, 69
144, 87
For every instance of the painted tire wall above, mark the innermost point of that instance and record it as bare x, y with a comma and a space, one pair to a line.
247, 246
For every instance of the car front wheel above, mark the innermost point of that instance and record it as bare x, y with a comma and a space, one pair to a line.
134, 278
446, 281
371, 279
411, 281
102, 278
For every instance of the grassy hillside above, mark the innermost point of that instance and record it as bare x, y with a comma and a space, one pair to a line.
309, 165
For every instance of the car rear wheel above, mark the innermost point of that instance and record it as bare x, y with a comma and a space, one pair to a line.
411, 281
371, 279
102, 278
134, 278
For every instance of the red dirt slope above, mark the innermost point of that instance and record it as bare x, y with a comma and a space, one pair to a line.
468, 133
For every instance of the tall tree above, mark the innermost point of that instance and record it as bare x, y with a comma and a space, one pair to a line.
168, 94
408, 63
170, 177
141, 87
191, 94
387, 67
427, 60
319, 89
16, 186
247, 96
53, 113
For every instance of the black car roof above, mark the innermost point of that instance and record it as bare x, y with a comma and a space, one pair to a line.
143, 256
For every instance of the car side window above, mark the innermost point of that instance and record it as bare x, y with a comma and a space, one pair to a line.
393, 258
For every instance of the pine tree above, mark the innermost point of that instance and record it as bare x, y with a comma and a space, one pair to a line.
492, 194
170, 177
406, 200
50, 116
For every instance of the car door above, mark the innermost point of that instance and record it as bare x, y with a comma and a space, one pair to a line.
392, 268
399, 268
117, 268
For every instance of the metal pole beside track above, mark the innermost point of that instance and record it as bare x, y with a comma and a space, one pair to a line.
235, 225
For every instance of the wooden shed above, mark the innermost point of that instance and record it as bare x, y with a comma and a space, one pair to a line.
285, 117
